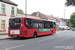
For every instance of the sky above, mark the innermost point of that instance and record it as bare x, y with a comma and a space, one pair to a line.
47, 7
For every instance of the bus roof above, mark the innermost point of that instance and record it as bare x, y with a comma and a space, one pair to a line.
15, 17
34, 18
38, 19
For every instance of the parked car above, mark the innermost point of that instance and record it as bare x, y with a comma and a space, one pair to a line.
73, 29
69, 28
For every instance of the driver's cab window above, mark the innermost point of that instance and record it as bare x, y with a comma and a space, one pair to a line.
54, 25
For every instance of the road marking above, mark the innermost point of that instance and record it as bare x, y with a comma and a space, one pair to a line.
45, 39
14, 47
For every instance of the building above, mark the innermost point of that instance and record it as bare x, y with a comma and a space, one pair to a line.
20, 15
8, 9
39, 15
67, 22
60, 22
26, 15
51, 18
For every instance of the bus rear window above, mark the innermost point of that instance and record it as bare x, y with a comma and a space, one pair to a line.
15, 23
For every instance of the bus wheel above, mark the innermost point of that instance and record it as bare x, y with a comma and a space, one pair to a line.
51, 32
35, 34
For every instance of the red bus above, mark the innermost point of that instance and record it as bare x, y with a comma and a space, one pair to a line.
30, 27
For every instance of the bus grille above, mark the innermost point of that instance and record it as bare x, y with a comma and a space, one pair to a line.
25, 33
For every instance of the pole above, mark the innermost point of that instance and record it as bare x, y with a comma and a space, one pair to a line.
64, 16
64, 13
25, 8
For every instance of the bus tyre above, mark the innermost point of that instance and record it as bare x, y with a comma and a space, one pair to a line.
35, 35
51, 32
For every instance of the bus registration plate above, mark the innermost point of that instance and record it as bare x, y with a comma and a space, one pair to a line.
14, 36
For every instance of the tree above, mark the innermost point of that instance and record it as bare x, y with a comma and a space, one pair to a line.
70, 2
20, 11
72, 19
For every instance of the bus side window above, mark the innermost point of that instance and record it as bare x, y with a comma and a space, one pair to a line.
40, 25
51, 24
35, 24
28, 23
46, 25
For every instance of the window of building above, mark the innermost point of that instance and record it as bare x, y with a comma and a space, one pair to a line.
2, 25
12, 10
2, 9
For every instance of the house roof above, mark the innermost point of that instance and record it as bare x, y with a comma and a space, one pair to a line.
50, 17
9, 2
40, 15
34, 14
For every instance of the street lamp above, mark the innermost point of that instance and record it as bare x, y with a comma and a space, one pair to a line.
25, 7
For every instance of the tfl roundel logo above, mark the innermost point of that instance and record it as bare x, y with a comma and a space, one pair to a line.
12, 32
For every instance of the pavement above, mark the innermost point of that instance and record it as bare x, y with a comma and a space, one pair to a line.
3, 37
3, 33
63, 31
62, 40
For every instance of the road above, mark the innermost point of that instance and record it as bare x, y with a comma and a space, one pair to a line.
58, 41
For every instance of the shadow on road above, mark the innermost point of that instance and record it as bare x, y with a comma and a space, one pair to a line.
4, 39
28, 38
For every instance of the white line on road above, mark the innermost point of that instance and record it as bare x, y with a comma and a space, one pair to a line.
45, 39
14, 47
